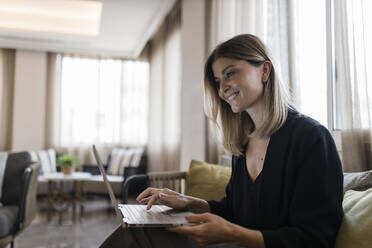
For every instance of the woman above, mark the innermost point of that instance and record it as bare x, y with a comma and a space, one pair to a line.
286, 184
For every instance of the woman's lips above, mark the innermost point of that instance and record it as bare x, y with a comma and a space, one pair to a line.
232, 96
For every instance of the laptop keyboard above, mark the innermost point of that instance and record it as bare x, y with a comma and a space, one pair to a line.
157, 214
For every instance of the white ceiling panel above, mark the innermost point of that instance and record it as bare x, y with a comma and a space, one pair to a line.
125, 27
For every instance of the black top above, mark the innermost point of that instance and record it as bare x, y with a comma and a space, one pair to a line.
296, 201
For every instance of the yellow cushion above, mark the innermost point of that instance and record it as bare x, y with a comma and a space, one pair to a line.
207, 181
356, 228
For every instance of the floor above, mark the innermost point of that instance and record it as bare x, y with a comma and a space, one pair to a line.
98, 222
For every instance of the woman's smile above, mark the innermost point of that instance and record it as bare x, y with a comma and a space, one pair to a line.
232, 96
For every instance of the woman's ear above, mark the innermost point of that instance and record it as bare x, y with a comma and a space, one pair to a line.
266, 71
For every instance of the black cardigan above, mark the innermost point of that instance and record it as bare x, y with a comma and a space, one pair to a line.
296, 201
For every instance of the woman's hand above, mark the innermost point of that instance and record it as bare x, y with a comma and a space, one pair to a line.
211, 229
165, 196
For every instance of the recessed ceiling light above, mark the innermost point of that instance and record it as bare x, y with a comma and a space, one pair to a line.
77, 18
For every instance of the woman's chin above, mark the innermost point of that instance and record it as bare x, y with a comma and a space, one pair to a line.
236, 109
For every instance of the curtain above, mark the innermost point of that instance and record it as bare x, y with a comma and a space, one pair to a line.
164, 95
281, 37
274, 22
353, 53
229, 18
52, 125
7, 59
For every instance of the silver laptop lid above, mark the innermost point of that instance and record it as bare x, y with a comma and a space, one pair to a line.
105, 179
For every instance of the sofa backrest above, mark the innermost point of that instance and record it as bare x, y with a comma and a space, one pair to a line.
13, 177
121, 158
47, 159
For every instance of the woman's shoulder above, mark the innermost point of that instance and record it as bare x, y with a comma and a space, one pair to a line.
303, 127
303, 123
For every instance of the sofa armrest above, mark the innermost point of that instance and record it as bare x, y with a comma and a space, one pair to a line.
131, 171
93, 169
27, 208
170, 179
128, 183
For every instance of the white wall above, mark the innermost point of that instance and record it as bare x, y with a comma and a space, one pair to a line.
29, 100
193, 54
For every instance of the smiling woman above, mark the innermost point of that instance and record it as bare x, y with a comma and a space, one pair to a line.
271, 199
256, 73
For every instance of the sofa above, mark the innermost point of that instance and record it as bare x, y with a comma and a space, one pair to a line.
121, 164
208, 181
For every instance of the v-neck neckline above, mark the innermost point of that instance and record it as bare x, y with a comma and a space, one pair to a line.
253, 182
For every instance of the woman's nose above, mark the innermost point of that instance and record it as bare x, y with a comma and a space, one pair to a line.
224, 86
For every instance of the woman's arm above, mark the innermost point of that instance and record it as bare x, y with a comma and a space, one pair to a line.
212, 229
315, 212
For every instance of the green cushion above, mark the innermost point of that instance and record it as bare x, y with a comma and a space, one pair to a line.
207, 181
356, 228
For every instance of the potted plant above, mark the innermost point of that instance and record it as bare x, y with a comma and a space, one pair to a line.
67, 163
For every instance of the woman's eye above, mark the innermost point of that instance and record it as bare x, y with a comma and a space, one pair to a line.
230, 74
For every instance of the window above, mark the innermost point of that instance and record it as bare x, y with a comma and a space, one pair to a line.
103, 101
313, 59
353, 50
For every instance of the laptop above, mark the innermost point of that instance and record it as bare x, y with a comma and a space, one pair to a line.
137, 215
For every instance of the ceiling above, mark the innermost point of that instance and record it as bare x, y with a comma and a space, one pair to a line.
125, 27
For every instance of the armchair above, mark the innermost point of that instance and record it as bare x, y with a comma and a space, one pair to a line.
202, 180
19, 196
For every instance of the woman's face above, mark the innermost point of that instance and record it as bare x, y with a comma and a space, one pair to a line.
240, 83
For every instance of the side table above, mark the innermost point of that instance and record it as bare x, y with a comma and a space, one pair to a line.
59, 200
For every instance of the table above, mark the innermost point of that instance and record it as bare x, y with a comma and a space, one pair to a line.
58, 199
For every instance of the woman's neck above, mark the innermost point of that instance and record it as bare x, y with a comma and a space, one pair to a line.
256, 113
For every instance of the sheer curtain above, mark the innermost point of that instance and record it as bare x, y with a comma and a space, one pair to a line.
6, 97
273, 21
164, 95
96, 101
353, 51
281, 36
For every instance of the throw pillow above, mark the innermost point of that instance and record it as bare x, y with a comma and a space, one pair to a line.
135, 162
207, 181
116, 157
47, 159
125, 162
356, 228
358, 181
52, 159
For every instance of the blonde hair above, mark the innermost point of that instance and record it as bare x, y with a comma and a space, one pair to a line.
235, 129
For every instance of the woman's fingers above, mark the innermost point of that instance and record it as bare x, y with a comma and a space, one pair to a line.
145, 193
152, 200
163, 196
198, 218
145, 200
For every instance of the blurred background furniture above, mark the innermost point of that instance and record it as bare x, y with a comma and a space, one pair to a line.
121, 164
18, 196
59, 200
47, 159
